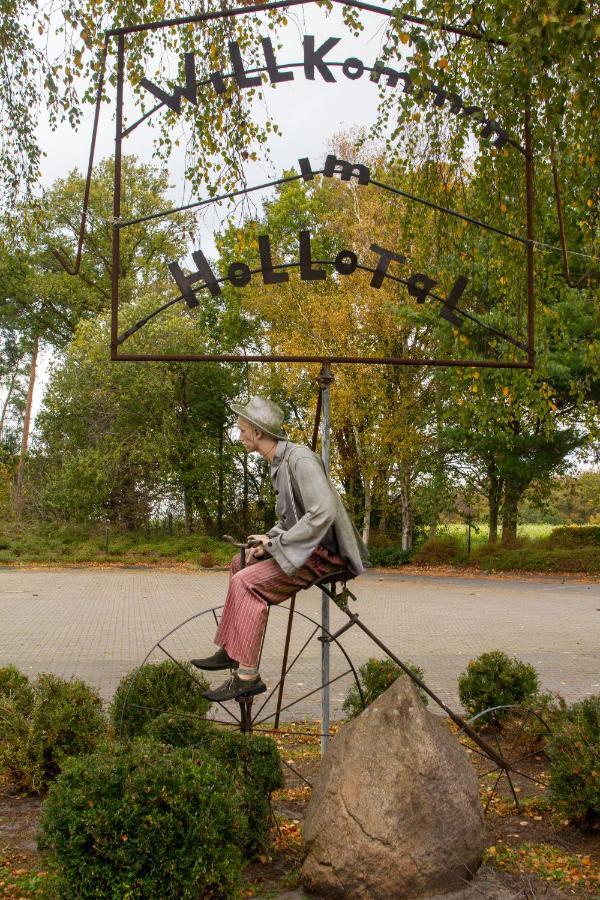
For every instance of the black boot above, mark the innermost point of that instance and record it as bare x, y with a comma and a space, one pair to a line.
236, 687
219, 660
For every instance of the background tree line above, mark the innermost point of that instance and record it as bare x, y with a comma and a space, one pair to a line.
412, 447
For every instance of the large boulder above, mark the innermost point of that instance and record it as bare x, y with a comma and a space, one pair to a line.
395, 811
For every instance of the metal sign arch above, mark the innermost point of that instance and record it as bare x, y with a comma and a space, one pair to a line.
281, 71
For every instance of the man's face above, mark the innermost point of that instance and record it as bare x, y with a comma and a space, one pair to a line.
248, 434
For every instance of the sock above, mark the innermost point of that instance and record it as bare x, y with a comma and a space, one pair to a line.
247, 672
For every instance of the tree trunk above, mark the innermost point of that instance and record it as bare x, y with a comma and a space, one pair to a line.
6, 403
367, 487
18, 495
188, 511
368, 507
494, 496
513, 491
407, 524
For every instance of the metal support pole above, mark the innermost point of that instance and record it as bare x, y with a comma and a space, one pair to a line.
530, 234
116, 234
325, 379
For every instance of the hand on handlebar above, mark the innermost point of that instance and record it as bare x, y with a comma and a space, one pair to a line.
257, 543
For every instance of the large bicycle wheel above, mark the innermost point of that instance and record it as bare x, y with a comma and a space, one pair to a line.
520, 736
294, 689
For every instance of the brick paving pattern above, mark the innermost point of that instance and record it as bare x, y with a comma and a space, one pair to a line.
98, 624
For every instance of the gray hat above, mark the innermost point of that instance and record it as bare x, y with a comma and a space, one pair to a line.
263, 413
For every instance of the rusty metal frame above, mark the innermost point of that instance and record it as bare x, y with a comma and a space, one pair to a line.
121, 34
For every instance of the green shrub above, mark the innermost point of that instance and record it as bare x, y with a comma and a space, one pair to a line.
443, 549
144, 821
252, 760
14, 685
538, 557
63, 719
575, 536
389, 556
376, 675
145, 693
495, 679
575, 763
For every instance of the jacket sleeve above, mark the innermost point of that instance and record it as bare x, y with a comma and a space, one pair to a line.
292, 548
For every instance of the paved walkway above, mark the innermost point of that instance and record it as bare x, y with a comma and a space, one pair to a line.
97, 624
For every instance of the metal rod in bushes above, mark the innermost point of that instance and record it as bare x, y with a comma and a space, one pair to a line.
493, 754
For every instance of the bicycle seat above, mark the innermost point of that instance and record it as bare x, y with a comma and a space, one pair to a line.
331, 578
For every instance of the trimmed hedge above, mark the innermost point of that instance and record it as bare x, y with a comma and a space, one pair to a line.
42, 727
575, 536
252, 760
389, 556
376, 675
575, 763
495, 679
154, 689
145, 821
443, 549
538, 558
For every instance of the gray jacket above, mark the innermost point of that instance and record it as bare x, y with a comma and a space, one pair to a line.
311, 512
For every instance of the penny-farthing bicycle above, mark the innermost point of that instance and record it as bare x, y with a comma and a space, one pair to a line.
293, 639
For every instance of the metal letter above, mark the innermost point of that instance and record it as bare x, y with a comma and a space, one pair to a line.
392, 76
315, 58
185, 282
353, 68
475, 111
491, 127
306, 169
448, 309
385, 258
239, 274
218, 82
419, 286
243, 80
438, 92
334, 166
307, 273
272, 68
173, 101
346, 262
269, 276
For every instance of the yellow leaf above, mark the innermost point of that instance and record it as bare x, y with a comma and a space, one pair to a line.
443, 63
506, 391
503, 208
586, 861
404, 37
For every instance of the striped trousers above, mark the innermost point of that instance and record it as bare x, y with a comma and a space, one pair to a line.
250, 592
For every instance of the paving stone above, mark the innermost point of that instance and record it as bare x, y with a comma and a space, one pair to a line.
97, 624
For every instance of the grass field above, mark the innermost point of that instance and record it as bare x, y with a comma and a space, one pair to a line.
479, 532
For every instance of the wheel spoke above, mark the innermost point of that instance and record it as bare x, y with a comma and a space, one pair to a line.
491, 772
493, 791
529, 777
309, 694
519, 733
296, 772
514, 793
288, 670
476, 750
